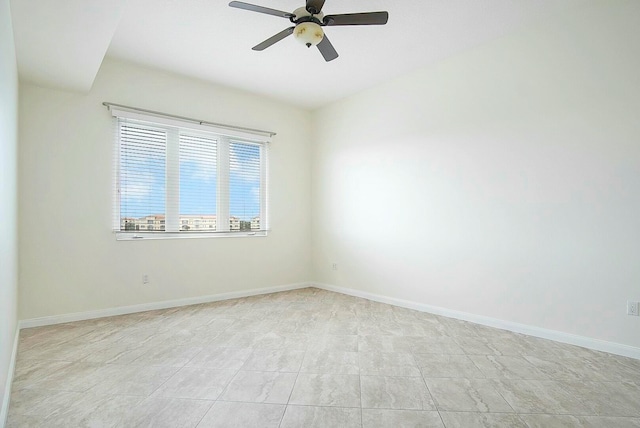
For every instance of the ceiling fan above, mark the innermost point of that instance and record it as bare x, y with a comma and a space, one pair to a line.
309, 21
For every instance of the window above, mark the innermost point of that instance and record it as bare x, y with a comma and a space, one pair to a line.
177, 179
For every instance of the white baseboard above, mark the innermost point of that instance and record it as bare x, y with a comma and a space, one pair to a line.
123, 310
4, 410
558, 336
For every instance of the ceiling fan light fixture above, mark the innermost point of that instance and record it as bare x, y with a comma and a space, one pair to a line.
308, 33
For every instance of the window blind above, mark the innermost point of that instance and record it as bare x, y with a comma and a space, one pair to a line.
142, 176
198, 183
184, 181
244, 186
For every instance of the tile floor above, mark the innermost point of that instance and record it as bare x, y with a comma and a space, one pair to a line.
311, 358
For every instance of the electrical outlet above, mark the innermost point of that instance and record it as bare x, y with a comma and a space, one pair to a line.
334, 266
145, 279
632, 308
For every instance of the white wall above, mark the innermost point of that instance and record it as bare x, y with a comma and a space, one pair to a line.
70, 260
503, 182
8, 199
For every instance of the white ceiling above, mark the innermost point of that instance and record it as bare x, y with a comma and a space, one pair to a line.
62, 43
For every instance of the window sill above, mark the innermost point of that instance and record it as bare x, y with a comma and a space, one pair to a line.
146, 236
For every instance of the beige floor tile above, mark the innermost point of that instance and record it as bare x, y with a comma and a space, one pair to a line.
385, 392
554, 421
481, 420
29, 372
422, 329
76, 377
159, 412
41, 402
93, 410
170, 354
388, 364
290, 342
384, 418
330, 362
446, 365
22, 421
321, 417
563, 368
260, 387
614, 368
326, 390
475, 345
384, 344
215, 357
541, 396
434, 345
467, 395
72, 350
379, 327
117, 353
568, 421
342, 327
148, 337
254, 325
334, 342
507, 367
607, 398
53, 334
274, 360
243, 415
133, 380
237, 339
196, 383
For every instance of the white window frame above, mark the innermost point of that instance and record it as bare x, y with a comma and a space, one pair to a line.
224, 137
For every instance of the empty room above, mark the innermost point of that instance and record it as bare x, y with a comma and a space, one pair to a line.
291, 213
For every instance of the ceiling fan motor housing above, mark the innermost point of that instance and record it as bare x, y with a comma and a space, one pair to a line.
302, 12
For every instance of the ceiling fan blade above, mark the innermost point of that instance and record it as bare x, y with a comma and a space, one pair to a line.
261, 9
314, 6
366, 18
273, 39
327, 50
